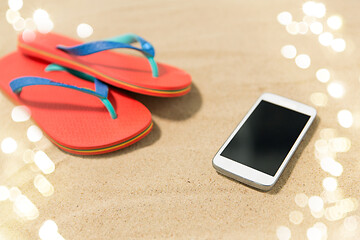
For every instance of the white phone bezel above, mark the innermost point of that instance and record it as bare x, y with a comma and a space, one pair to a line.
250, 175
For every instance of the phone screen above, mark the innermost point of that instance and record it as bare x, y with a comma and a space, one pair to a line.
266, 137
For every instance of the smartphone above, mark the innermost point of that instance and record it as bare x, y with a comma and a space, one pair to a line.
260, 147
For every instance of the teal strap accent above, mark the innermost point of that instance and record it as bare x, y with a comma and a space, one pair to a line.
56, 67
99, 86
124, 38
154, 67
109, 107
130, 38
122, 41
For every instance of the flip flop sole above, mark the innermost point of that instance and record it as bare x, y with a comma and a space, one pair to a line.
75, 122
105, 149
120, 70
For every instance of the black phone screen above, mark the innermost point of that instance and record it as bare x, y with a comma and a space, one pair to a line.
266, 137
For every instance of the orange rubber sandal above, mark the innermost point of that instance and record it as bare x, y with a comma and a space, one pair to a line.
136, 74
72, 117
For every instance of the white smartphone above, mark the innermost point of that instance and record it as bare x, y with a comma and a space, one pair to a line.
260, 147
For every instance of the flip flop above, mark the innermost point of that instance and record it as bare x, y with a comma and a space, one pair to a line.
76, 119
136, 74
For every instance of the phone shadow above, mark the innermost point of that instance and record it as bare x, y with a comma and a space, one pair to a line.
290, 166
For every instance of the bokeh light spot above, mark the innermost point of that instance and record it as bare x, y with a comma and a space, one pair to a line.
34, 133
303, 27
296, 217
43, 21
348, 204
309, 19
336, 90
43, 162
316, 28
45, 26
14, 193
284, 18
12, 16
321, 146
288, 51
332, 197
25, 208
19, 25
43, 185
336, 169
314, 233
319, 99
334, 213
20, 114
84, 30
326, 38
283, 233
320, 10
30, 24
40, 15
309, 8
15, 5
345, 118
318, 214
28, 156
330, 184
338, 45
49, 231
334, 22
301, 199
303, 61
292, 28
316, 203
326, 163
340, 144
4, 193
344, 206
28, 36
314, 9
331, 166
322, 227
8, 145
323, 75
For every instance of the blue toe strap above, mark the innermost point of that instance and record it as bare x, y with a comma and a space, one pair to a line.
101, 89
122, 41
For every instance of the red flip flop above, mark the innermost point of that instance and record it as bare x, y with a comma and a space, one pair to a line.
136, 74
74, 118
